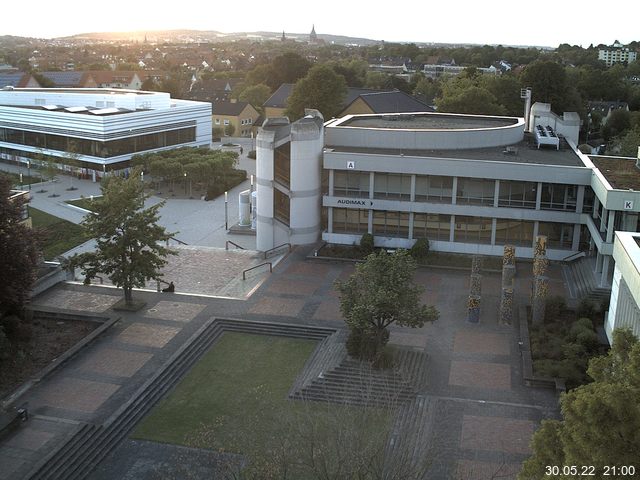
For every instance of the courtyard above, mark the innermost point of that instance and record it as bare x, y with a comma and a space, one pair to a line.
476, 417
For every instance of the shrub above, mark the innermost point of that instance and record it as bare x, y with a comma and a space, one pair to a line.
586, 309
555, 306
24, 332
11, 324
420, 249
366, 244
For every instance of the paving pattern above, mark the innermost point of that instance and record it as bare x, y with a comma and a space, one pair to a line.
478, 417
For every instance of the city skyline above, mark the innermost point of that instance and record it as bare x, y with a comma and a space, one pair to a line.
499, 22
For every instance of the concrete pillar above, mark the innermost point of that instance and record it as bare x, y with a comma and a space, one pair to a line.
575, 243
331, 180
580, 199
539, 196
370, 222
596, 206
413, 188
454, 191
265, 146
371, 184
630, 222
603, 221
494, 227
496, 194
452, 228
599, 257
604, 276
411, 225
611, 225
330, 219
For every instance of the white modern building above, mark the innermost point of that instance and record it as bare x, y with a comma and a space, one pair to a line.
624, 309
467, 183
103, 128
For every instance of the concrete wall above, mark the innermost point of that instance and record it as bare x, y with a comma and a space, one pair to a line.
624, 308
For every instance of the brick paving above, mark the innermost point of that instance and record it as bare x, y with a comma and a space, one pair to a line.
483, 415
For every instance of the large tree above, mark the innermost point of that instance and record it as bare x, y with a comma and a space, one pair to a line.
18, 251
255, 95
322, 89
601, 420
380, 293
129, 249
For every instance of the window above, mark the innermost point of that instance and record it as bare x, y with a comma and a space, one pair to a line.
392, 186
282, 164
225, 121
472, 229
217, 121
517, 194
559, 235
431, 226
514, 232
557, 196
346, 220
434, 188
281, 206
475, 191
391, 224
349, 183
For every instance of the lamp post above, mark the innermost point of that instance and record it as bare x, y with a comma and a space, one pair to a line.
226, 211
20, 180
185, 184
29, 172
104, 170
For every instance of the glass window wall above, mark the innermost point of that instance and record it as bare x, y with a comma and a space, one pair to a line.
281, 206
559, 235
392, 186
391, 224
433, 188
556, 196
348, 183
475, 191
514, 232
517, 194
472, 229
347, 220
282, 164
431, 226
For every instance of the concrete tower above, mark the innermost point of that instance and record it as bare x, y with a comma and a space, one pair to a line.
288, 181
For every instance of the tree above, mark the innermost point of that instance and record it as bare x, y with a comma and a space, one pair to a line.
128, 237
287, 68
549, 84
460, 95
255, 95
628, 143
321, 89
381, 292
601, 420
18, 251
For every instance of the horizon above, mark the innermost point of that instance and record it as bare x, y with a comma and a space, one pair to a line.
500, 23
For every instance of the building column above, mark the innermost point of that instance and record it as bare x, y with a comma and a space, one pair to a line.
539, 199
536, 227
603, 220
371, 184
610, 226
413, 191
580, 199
604, 276
599, 257
370, 222
331, 173
494, 227
454, 191
575, 243
496, 199
330, 219
596, 206
411, 225
452, 227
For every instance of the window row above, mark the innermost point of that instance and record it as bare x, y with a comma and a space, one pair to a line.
469, 191
465, 229
95, 148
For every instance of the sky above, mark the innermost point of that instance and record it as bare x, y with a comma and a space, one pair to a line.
506, 22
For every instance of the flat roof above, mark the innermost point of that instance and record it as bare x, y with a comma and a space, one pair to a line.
522, 152
427, 121
620, 172
83, 91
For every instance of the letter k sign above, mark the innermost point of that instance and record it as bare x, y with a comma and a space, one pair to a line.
628, 204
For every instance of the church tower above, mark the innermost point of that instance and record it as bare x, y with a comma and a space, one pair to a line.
313, 38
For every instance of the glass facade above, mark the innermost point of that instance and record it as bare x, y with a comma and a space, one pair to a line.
475, 191
514, 232
559, 235
95, 148
517, 194
432, 227
346, 220
391, 224
348, 183
472, 229
282, 164
281, 207
433, 188
392, 186
557, 196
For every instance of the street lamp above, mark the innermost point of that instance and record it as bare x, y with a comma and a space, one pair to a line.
29, 173
226, 211
104, 170
185, 184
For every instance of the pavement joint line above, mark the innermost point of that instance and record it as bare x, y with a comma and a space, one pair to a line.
48, 418
487, 402
148, 290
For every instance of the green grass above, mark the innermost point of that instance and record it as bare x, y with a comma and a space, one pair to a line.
15, 178
84, 202
59, 235
235, 399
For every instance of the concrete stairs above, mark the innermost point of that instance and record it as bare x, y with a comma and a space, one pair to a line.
582, 281
356, 382
92, 443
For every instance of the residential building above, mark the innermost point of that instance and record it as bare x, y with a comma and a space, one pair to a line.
617, 53
70, 79
102, 128
605, 109
235, 117
18, 79
213, 90
467, 183
624, 307
357, 100
116, 79
438, 70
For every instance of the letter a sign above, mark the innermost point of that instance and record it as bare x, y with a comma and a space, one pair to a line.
351, 165
628, 204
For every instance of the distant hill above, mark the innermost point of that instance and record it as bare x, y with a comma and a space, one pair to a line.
212, 36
